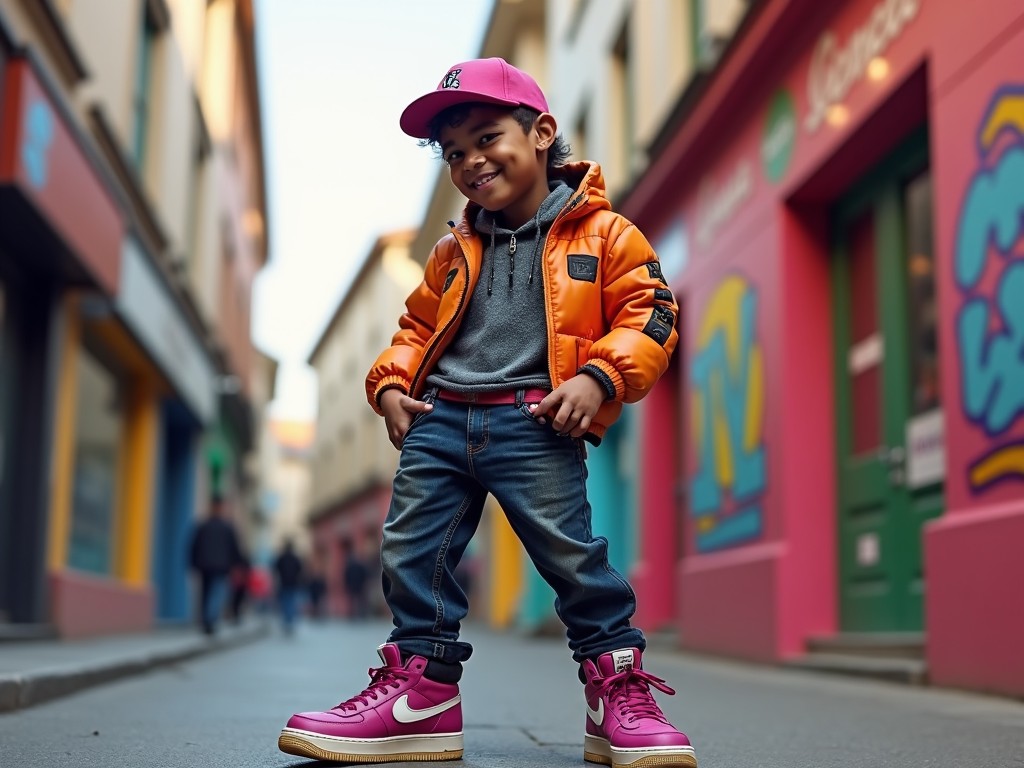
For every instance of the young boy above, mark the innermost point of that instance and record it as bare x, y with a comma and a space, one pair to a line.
537, 318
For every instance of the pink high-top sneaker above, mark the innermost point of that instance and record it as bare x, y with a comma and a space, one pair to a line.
400, 716
625, 726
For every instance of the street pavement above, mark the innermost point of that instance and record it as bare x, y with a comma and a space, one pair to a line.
522, 705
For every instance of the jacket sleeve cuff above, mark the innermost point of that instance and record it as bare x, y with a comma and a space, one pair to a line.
388, 382
602, 378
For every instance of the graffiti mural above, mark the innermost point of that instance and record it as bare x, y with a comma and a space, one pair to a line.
989, 273
727, 399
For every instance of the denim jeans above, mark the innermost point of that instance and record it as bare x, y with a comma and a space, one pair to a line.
451, 458
213, 592
288, 598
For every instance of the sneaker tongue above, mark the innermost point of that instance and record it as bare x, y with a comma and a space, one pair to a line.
618, 661
390, 655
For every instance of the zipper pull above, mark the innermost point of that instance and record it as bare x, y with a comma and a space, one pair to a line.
512, 244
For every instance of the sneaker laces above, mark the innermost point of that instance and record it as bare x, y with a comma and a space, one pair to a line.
381, 679
630, 692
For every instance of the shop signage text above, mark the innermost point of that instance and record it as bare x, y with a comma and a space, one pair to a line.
836, 69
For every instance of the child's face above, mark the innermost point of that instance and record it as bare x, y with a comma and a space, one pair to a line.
497, 165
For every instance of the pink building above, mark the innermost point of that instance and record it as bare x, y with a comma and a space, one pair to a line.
841, 216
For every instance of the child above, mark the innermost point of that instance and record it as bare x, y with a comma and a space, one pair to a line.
537, 318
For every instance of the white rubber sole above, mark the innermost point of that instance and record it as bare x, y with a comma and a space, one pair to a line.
441, 746
597, 750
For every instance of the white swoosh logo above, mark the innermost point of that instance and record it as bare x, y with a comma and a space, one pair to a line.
403, 713
597, 715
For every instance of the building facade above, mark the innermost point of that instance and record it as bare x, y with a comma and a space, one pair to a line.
839, 210
353, 462
132, 222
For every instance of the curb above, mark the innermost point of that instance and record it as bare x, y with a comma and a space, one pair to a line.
18, 691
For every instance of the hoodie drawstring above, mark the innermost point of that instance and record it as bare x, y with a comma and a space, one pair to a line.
490, 280
538, 245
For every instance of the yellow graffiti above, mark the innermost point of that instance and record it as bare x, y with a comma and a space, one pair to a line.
998, 465
1008, 111
755, 401
720, 425
723, 317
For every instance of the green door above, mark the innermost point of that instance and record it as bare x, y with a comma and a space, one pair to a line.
888, 416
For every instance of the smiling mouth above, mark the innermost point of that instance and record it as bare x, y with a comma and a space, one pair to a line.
484, 180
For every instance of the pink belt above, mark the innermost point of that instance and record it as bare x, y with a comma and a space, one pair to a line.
499, 397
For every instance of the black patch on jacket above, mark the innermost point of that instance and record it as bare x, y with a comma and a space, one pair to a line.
583, 267
663, 294
659, 327
449, 280
654, 269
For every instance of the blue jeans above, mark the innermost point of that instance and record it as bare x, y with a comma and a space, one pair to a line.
451, 458
288, 598
213, 592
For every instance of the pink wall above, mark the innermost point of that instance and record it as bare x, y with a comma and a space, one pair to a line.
760, 234
975, 611
653, 574
83, 605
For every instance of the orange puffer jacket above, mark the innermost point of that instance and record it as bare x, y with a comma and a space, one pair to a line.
607, 303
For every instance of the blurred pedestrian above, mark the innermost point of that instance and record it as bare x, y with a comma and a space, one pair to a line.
539, 315
239, 586
316, 587
355, 579
288, 569
213, 552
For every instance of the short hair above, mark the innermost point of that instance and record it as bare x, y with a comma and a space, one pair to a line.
558, 153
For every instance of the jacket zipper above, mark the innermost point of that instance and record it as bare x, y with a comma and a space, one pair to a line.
564, 213
440, 334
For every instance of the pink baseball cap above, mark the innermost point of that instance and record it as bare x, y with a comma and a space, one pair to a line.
492, 81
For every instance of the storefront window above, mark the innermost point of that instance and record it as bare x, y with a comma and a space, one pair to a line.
94, 495
4, 377
867, 349
921, 304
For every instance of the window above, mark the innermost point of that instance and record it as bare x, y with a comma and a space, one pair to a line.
98, 426
623, 109
141, 91
921, 301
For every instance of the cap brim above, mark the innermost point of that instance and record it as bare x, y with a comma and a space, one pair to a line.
415, 120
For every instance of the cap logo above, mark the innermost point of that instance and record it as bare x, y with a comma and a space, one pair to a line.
451, 80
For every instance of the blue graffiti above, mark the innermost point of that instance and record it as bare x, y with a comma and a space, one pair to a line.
992, 370
723, 392
39, 135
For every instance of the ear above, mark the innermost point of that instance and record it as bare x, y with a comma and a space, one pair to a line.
546, 128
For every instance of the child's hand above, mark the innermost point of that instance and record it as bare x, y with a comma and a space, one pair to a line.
399, 410
572, 405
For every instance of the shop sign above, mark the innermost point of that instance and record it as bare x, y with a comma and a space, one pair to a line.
926, 449
835, 69
718, 204
779, 135
153, 316
41, 157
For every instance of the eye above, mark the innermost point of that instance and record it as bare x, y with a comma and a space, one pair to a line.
453, 157
487, 138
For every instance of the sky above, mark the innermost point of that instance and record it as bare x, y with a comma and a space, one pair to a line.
334, 77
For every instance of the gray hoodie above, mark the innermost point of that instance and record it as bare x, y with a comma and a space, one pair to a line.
503, 340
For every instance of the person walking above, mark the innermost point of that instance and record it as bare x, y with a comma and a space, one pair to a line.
239, 581
355, 579
316, 587
288, 569
213, 553
538, 317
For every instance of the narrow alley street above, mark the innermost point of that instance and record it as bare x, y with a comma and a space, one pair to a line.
523, 707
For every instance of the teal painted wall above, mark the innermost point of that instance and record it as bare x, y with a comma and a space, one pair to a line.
611, 489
